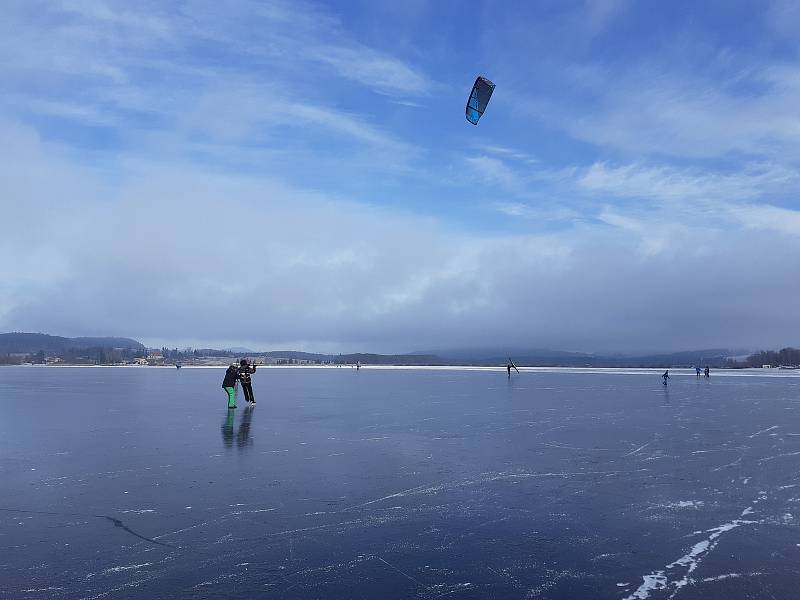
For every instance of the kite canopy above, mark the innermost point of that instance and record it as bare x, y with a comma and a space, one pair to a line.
478, 99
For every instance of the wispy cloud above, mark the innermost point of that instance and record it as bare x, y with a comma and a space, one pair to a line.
766, 217
597, 14
783, 17
123, 62
494, 171
690, 184
385, 74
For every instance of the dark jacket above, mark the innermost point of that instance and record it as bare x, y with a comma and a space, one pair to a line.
231, 375
244, 373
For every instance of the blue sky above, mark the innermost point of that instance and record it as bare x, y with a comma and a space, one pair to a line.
280, 174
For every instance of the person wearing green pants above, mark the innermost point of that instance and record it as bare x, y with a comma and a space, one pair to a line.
229, 384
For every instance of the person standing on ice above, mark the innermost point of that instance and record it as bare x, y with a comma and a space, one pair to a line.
697, 370
229, 384
245, 370
708, 372
665, 376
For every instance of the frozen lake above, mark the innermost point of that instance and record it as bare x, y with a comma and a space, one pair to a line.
138, 483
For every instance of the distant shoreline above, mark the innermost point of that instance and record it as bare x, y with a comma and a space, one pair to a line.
682, 372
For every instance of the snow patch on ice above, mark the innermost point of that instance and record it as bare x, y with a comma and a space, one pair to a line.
660, 579
655, 581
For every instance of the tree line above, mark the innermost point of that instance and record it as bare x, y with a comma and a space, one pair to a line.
786, 357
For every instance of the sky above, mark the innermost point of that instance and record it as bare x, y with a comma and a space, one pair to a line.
289, 174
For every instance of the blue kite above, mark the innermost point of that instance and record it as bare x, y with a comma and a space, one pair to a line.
478, 99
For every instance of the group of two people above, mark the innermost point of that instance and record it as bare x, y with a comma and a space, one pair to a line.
665, 376
239, 374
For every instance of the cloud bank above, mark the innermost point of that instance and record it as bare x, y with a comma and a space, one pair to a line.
271, 175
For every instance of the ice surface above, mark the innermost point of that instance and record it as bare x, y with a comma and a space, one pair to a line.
398, 483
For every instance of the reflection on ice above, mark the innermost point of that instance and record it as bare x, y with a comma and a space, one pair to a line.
242, 434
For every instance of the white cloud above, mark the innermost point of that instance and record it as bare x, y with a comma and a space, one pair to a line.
494, 171
172, 251
766, 217
665, 183
383, 73
736, 106
143, 67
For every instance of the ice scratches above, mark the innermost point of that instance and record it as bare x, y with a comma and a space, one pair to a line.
290, 579
729, 576
403, 573
440, 590
679, 505
763, 431
553, 577
215, 580
169, 533
665, 579
435, 488
769, 458
605, 555
730, 464
639, 449
119, 569
367, 439
130, 584
505, 574
565, 447
249, 512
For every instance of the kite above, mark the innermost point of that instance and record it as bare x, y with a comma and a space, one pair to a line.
478, 99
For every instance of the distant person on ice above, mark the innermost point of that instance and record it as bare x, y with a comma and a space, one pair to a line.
708, 371
229, 384
697, 370
665, 376
245, 370
510, 366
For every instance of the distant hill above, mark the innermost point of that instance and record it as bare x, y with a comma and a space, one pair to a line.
18, 343
520, 356
363, 358
31, 343
539, 357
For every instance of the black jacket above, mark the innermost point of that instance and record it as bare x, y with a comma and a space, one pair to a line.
231, 375
244, 373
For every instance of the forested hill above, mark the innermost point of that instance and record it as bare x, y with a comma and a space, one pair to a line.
18, 343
